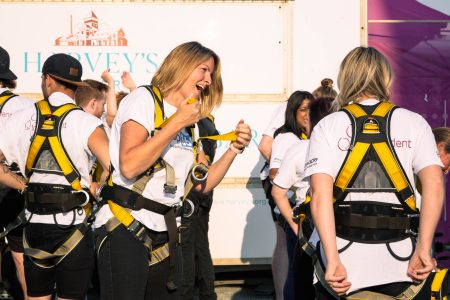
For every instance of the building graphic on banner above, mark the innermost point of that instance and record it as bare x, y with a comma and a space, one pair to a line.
89, 33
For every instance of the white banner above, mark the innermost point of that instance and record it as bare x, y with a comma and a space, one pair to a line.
136, 37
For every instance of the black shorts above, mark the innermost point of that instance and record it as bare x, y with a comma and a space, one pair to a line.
72, 275
10, 206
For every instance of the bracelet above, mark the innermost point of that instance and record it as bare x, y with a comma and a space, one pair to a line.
235, 150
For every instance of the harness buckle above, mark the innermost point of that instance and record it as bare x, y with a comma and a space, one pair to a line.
86, 194
199, 172
188, 213
170, 189
411, 232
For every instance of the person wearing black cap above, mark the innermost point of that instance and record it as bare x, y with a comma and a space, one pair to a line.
58, 179
11, 202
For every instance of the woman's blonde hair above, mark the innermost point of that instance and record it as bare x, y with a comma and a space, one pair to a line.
363, 72
178, 66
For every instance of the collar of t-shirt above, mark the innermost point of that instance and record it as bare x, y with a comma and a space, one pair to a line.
58, 98
370, 101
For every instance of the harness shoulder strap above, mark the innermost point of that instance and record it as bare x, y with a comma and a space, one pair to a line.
47, 136
5, 97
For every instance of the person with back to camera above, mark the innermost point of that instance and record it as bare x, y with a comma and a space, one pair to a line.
53, 143
290, 175
151, 161
12, 202
325, 90
367, 237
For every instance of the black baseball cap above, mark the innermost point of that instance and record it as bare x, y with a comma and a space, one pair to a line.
5, 72
65, 68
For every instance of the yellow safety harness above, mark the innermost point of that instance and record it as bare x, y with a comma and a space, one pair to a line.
122, 201
47, 155
5, 97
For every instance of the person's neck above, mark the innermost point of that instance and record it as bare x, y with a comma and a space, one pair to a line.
174, 99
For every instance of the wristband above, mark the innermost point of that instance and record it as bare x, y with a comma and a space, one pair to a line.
235, 150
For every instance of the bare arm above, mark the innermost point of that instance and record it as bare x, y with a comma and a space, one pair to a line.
137, 152
218, 170
111, 102
98, 143
127, 81
421, 263
279, 194
323, 215
272, 173
265, 147
9, 178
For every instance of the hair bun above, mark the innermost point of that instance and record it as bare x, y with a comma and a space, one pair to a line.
327, 83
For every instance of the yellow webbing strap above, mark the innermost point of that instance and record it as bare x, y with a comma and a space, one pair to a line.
5, 97
351, 165
355, 110
59, 254
436, 285
55, 144
121, 214
393, 170
382, 109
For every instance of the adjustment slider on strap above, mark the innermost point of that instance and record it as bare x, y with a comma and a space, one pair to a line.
170, 189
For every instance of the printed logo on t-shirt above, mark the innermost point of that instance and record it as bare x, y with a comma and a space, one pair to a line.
311, 162
344, 142
182, 140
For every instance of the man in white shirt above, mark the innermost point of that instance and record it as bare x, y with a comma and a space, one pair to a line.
81, 137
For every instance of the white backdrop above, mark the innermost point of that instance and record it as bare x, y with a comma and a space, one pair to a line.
247, 37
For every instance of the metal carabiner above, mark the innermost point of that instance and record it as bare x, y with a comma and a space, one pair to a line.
86, 194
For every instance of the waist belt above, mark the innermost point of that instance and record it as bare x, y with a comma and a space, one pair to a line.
134, 201
122, 200
374, 222
51, 199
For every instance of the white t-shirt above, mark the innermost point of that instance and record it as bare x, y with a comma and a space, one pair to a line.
76, 130
291, 170
14, 104
280, 145
415, 147
276, 120
139, 107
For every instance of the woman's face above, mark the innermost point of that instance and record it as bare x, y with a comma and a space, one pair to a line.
302, 115
445, 157
199, 80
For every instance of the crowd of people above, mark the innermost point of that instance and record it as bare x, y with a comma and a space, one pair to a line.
125, 192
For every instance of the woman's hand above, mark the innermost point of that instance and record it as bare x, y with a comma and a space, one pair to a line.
187, 113
420, 265
244, 135
336, 277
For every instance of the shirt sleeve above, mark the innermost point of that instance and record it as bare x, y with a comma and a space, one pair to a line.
139, 107
278, 152
318, 158
287, 173
425, 150
276, 120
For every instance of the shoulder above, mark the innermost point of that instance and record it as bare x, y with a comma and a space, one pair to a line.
138, 97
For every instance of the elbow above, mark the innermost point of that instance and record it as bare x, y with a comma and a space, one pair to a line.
126, 171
